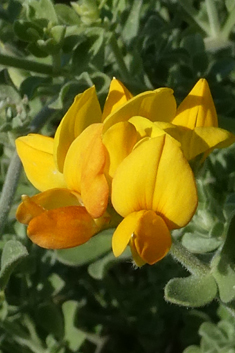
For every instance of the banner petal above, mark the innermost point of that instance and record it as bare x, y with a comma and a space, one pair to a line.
158, 105
197, 109
84, 111
117, 96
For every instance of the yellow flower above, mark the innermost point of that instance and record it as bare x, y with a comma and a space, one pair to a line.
74, 170
154, 190
129, 161
197, 122
67, 170
194, 123
126, 161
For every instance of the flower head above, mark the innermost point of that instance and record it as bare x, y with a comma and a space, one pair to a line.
128, 162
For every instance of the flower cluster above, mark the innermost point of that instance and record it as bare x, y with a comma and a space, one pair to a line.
125, 168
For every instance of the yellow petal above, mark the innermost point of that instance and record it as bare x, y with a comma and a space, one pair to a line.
145, 127
119, 141
198, 108
156, 176
158, 105
27, 210
75, 156
148, 235
117, 96
62, 228
84, 111
204, 140
94, 186
123, 234
36, 154
47, 200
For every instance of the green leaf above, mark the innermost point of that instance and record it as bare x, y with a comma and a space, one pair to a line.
44, 9
13, 252
32, 83
59, 102
81, 57
200, 244
99, 268
88, 252
194, 44
229, 206
131, 26
192, 349
217, 230
27, 31
13, 10
89, 52
58, 32
70, 89
229, 246
70, 43
56, 282
34, 49
191, 291
200, 61
50, 318
224, 276
228, 329
49, 46
213, 336
73, 335
222, 67
229, 5
67, 15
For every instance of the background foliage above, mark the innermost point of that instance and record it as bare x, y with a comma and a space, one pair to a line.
84, 300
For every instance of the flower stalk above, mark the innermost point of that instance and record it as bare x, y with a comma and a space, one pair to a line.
29, 65
188, 260
9, 188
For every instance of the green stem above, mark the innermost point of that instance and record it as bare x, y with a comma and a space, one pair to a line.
228, 25
188, 260
9, 188
119, 58
192, 13
29, 65
213, 18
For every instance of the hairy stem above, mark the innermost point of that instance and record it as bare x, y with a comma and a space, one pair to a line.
188, 260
